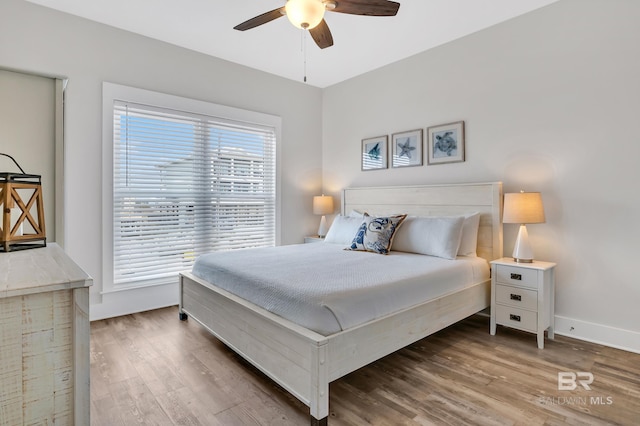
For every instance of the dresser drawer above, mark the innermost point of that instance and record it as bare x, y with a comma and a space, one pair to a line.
517, 318
517, 276
516, 296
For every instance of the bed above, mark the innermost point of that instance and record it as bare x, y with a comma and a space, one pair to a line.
303, 360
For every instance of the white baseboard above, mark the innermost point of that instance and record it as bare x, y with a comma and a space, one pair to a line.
134, 300
597, 333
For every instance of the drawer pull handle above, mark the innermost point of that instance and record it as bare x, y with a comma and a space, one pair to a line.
516, 297
517, 277
514, 317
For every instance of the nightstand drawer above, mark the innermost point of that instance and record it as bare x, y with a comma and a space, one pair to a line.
516, 296
517, 318
517, 276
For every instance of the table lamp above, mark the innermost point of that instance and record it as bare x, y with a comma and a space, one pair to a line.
523, 208
322, 205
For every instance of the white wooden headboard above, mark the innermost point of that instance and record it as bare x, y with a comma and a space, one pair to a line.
432, 200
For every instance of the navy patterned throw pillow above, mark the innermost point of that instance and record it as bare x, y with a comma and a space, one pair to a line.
376, 233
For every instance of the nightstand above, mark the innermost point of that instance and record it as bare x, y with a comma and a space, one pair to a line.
313, 239
522, 296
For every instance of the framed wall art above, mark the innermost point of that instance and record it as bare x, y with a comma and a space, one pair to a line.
407, 148
445, 143
374, 153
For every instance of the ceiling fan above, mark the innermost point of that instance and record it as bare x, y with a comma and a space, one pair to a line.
309, 15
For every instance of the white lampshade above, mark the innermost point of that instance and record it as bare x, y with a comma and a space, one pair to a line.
322, 204
306, 14
523, 207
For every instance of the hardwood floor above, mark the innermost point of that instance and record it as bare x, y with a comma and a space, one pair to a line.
152, 369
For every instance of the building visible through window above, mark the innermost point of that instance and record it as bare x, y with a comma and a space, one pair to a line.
185, 184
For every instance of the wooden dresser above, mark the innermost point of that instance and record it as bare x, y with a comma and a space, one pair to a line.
44, 339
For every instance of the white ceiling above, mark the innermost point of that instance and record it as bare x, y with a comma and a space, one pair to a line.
361, 43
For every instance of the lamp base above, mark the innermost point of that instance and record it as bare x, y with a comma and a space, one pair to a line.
522, 252
322, 230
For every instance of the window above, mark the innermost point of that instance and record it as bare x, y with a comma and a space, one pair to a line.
184, 184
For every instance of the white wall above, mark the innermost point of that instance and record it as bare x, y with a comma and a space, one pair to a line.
27, 133
550, 103
37, 39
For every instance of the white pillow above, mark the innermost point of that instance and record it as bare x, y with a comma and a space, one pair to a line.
469, 240
431, 235
343, 229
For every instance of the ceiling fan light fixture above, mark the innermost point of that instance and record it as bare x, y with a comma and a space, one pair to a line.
306, 14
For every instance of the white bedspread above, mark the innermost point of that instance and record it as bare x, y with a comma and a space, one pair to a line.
327, 289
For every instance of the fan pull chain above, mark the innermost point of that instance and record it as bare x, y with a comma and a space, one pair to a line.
304, 52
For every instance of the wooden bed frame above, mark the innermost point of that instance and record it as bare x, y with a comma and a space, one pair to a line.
305, 362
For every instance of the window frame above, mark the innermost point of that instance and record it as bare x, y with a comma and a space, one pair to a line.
115, 92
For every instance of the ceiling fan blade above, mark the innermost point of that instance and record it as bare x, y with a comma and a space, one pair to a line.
322, 35
260, 19
367, 7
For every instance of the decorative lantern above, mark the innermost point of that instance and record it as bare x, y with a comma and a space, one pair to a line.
22, 224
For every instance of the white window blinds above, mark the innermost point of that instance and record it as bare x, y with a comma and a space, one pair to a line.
186, 184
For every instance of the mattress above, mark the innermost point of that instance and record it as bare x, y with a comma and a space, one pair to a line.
327, 289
